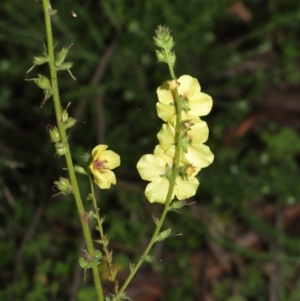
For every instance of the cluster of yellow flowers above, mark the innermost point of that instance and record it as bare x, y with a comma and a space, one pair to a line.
157, 168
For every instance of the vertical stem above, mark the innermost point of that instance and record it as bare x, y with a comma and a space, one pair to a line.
171, 187
58, 112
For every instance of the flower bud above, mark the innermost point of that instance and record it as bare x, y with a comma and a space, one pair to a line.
163, 38
161, 56
54, 134
172, 58
40, 60
64, 116
82, 262
80, 169
97, 254
70, 122
163, 235
42, 82
61, 148
177, 205
64, 66
148, 258
63, 185
61, 55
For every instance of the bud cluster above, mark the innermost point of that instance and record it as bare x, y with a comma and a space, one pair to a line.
42, 81
164, 41
61, 147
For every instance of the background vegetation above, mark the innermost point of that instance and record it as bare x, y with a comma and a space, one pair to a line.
240, 240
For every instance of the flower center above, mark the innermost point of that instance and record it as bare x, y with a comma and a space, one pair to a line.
100, 165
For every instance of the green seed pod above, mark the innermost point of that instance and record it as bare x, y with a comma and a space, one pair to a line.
61, 148
80, 169
54, 135
172, 58
177, 205
163, 38
70, 122
163, 235
148, 258
40, 60
160, 56
64, 66
82, 262
64, 116
63, 185
97, 254
61, 55
42, 82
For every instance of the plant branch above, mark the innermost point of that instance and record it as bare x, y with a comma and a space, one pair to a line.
58, 112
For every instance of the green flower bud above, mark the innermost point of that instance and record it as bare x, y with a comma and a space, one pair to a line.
54, 134
61, 148
40, 60
61, 55
172, 58
177, 205
65, 66
148, 258
161, 56
70, 122
64, 116
82, 262
91, 215
163, 235
163, 38
42, 82
80, 169
97, 254
63, 185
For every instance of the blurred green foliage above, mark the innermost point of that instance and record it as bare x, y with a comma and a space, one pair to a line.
238, 60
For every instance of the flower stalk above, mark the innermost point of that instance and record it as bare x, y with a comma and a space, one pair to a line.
48, 11
169, 58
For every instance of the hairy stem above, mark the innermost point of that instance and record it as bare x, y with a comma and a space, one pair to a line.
58, 112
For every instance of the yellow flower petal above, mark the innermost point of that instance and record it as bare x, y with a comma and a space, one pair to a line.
98, 150
199, 155
157, 190
150, 167
105, 180
185, 189
166, 136
165, 111
200, 104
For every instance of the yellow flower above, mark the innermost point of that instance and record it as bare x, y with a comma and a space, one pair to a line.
102, 163
195, 133
157, 168
194, 102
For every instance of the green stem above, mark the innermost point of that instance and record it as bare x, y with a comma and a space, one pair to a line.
170, 191
58, 112
104, 239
